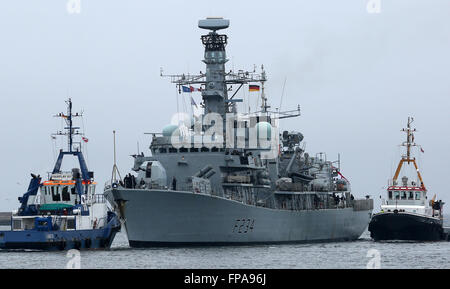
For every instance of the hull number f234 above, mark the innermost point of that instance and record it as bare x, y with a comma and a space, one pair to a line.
243, 226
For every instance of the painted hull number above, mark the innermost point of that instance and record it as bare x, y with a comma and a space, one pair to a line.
243, 226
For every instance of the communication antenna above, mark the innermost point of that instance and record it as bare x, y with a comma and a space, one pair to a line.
282, 93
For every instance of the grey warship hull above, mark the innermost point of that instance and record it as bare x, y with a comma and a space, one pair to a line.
182, 218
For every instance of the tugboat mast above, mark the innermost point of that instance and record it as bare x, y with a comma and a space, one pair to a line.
409, 139
71, 130
407, 158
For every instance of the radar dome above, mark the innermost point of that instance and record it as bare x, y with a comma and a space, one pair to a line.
264, 129
169, 129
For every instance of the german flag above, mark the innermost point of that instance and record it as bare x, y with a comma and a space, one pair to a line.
253, 88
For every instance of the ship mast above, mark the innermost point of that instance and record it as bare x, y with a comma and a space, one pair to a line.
71, 131
407, 158
214, 83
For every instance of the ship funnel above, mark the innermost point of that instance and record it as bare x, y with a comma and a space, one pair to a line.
214, 23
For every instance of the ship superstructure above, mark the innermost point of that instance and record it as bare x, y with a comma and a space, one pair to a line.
229, 178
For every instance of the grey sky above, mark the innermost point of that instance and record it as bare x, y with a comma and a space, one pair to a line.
357, 77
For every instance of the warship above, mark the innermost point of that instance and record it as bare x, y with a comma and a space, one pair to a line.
62, 212
229, 178
406, 213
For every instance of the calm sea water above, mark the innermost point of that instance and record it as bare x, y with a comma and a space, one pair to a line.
322, 255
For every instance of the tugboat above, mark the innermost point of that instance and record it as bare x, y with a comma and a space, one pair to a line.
406, 214
63, 212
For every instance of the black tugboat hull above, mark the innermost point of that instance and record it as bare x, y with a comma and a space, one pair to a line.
405, 226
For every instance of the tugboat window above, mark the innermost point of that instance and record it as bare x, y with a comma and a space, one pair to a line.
417, 195
73, 191
397, 195
17, 224
65, 194
55, 195
390, 195
403, 195
411, 196
71, 224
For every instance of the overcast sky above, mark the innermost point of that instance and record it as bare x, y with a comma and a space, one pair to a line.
356, 75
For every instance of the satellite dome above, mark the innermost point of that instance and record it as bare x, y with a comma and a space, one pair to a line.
264, 129
169, 129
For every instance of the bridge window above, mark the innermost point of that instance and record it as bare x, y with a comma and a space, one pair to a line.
403, 195
411, 196
162, 150
183, 150
65, 194
205, 149
194, 150
173, 150
73, 191
390, 195
56, 197
417, 195
397, 195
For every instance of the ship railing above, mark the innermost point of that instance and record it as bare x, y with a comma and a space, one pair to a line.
98, 199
